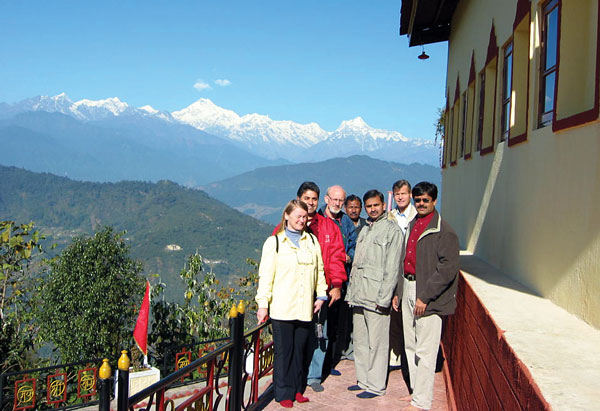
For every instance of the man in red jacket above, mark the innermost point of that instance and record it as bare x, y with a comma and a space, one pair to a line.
334, 263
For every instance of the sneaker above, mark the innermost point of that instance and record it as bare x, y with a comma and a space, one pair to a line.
366, 395
355, 387
335, 372
301, 398
317, 387
286, 403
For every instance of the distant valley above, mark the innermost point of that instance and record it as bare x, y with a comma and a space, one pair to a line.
263, 192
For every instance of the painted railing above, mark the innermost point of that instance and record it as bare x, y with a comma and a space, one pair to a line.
248, 358
64, 386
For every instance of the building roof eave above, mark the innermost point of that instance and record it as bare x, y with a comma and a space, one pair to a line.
426, 21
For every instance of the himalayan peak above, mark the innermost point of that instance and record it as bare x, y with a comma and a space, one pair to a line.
254, 132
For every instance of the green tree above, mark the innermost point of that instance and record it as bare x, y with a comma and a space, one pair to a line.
204, 313
18, 245
90, 299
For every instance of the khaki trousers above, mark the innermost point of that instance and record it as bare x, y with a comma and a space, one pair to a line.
371, 349
421, 341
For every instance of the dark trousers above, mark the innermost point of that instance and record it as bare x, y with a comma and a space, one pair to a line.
344, 349
289, 341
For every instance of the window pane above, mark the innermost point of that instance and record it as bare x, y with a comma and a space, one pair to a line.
551, 38
508, 66
506, 117
481, 108
549, 92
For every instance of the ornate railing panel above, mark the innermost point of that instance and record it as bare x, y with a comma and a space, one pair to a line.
245, 370
63, 386
178, 356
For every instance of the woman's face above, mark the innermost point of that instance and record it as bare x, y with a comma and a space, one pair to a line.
296, 219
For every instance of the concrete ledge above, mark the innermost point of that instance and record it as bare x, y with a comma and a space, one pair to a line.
561, 352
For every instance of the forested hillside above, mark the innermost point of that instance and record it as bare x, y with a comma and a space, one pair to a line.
165, 222
263, 192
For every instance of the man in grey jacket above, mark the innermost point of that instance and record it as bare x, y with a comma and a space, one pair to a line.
427, 291
373, 279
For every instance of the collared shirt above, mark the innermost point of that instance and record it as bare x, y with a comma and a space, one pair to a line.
410, 260
405, 217
402, 221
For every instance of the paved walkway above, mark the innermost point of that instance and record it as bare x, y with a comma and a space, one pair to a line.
337, 397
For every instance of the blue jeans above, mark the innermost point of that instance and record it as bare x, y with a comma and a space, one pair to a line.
318, 346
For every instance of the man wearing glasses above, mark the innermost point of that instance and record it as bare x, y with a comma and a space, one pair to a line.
339, 317
427, 291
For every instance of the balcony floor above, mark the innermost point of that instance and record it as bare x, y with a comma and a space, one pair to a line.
337, 397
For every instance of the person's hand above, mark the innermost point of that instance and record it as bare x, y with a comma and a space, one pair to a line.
262, 315
419, 308
395, 303
318, 304
334, 295
348, 260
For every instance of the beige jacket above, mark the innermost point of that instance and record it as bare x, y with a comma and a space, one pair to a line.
376, 264
290, 276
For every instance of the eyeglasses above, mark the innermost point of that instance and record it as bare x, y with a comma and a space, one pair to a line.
421, 200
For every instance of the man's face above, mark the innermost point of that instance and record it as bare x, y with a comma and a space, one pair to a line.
402, 197
424, 204
353, 209
311, 199
335, 200
374, 207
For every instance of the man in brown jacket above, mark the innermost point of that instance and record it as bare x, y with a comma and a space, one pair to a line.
427, 290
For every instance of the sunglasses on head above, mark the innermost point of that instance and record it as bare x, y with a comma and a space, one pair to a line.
421, 200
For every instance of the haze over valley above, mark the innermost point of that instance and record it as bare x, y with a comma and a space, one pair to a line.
153, 173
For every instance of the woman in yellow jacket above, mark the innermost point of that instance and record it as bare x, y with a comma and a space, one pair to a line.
290, 273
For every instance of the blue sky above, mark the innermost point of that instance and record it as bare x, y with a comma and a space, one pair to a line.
321, 61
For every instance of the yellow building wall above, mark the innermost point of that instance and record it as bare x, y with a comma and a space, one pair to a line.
533, 209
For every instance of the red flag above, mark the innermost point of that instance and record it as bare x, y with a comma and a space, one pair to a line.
140, 333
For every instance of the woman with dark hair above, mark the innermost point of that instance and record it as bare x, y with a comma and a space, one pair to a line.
290, 273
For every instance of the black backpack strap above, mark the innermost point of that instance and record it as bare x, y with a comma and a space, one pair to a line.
276, 244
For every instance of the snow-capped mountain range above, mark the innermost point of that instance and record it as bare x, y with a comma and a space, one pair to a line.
256, 133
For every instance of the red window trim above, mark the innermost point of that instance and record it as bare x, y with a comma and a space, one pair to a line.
542, 74
492, 53
587, 116
519, 17
471, 82
505, 134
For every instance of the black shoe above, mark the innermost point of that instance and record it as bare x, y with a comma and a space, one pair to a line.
355, 387
366, 395
317, 387
335, 372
